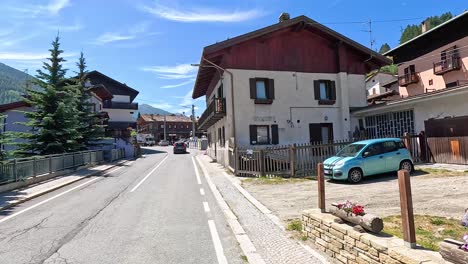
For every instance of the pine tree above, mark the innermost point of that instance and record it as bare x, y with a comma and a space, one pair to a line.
384, 48
410, 32
54, 126
90, 129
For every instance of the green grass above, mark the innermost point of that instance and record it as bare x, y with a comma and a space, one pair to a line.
244, 258
437, 173
294, 225
304, 238
275, 180
430, 230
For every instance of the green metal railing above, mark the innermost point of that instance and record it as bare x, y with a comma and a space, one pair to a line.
20, 169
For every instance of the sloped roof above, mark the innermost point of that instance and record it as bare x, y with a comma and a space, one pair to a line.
205, 73
14, 105
115, 87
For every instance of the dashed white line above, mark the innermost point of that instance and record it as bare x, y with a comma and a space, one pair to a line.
196, 171
217, 243
147, 175
55, 196
206, 207
202, 191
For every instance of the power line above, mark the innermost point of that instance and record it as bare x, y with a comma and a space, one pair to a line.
448, 53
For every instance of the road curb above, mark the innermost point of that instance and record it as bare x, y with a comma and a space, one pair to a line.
267, 212
242, 238
37, 194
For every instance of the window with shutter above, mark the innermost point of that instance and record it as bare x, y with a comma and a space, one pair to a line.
262, 90
259, 135
325, 92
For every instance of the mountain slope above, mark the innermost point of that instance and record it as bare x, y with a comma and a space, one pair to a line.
12, 83
148, 109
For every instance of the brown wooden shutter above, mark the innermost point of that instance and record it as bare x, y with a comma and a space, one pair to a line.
315, 131
332, 90
274, 135
253, 88
253, 134
271, 89
317, 89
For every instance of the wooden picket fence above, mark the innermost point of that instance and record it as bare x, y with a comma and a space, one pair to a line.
297, 160
453, 150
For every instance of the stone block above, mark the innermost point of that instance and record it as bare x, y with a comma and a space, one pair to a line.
339, 227
364, 257
366, 239
334, 248
337, 244
348, 255
326, 237
354, 234
360, 260
362, 246
320, 247
321, 242
341, 258
385, 259
337, 234
373, 252
330, 253
314, 233
350, 241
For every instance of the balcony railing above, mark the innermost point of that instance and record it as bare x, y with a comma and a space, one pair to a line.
408, 79
120, 105
214, 112
449, 64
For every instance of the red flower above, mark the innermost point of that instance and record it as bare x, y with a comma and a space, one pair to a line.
358, 210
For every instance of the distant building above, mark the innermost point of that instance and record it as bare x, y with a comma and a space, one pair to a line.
12, 114
177, 126
120, 107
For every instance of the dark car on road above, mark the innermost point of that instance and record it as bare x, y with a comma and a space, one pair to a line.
180, 147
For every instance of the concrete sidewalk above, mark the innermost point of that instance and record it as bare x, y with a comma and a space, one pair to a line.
269, 239
18, 196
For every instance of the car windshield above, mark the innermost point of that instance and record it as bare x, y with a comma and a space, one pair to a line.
350, 150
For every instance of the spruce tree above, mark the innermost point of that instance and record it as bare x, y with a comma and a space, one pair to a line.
384, 48
53, 123
90, 129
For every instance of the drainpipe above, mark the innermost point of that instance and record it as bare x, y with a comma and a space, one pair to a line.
232, 96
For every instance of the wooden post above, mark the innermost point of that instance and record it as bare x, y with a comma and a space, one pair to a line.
321, 187
262, 162
236, 161
407, 216
292, 159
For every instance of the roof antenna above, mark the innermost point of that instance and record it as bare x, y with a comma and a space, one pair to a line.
371, 40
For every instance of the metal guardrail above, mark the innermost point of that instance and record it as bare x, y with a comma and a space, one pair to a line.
21, 169
117, 154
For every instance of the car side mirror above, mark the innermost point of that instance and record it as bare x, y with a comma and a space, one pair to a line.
366, 154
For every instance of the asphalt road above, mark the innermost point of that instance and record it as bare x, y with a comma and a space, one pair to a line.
151, 210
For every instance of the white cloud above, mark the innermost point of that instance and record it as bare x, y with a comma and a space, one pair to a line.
66, 28
55, 6
22, 56
112, 37
201, 15
163, 105
52, 8
181, 71
177, 85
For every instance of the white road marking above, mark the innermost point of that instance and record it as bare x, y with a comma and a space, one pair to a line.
202, 191
217, 243
55, 197
147, 175
196, 171
206, 207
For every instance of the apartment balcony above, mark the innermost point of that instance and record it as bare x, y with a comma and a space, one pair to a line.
450, 64
215, 111
120, 105
408, 79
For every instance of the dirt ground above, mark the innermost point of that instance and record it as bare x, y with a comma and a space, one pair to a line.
438, 196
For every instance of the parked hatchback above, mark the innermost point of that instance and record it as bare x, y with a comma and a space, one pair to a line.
368, 157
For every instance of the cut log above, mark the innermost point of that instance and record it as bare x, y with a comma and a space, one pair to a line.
369, 222
451, 252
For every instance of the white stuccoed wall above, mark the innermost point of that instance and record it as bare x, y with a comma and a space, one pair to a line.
294, 100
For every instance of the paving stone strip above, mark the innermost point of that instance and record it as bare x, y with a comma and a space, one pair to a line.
270, 241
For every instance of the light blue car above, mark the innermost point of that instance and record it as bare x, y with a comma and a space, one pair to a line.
368, 157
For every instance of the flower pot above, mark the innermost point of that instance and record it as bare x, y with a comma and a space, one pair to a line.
450, 251
369, 222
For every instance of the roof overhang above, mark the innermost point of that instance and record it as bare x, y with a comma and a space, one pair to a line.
14, 105
214, 53
409, 101
101, 91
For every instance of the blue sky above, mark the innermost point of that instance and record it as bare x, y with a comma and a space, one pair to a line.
150, 44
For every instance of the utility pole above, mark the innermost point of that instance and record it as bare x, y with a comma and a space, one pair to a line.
164, 127
193, 121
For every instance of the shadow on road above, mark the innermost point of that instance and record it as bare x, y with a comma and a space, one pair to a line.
151, 151
381, 178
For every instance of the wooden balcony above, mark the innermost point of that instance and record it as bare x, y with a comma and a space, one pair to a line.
408, 79
120, 105
450, 64
215, 111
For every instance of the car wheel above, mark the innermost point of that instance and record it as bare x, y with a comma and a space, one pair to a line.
406, 165
355, 176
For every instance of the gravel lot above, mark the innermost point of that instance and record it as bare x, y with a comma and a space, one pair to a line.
439, 196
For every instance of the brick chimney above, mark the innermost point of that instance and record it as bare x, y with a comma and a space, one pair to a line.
424, 26
283, 17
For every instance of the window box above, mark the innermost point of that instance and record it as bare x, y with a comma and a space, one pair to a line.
326, 102
263, 101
